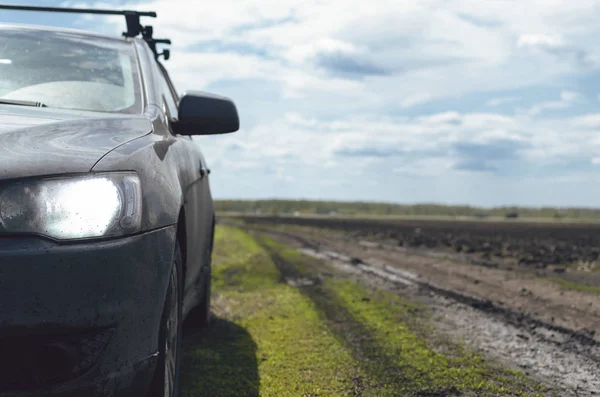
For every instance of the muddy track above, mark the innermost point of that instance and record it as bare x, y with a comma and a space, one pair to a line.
535, 247
565, 359
374, 361
377, 363
515, 317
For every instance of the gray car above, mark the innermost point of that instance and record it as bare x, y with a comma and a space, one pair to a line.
106, 214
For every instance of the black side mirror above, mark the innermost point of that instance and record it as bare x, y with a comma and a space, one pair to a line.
201, 113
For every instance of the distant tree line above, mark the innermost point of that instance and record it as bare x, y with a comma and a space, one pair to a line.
307, 207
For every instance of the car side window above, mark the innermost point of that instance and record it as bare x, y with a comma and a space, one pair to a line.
169, 95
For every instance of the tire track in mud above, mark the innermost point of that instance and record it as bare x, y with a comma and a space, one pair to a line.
375, 362
380, 370
531, 244
517, 318
567, 361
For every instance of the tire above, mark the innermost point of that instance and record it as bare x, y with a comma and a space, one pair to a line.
166, 376
199, 316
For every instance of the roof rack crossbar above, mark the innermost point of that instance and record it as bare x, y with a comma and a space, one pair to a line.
77, 10
132, 18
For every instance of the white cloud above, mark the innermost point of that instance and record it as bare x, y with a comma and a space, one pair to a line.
420, 50
588, 121
567, 99
542, 41
441, 118
415, 99
557, 47
419, 146
201, 69
303, 52
429, 167
494, 102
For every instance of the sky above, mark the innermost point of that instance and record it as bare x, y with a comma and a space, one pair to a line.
485, 102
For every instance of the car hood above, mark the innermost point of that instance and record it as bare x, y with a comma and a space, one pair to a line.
40, 141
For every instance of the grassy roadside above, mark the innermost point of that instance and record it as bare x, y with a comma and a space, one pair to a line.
283, 331
287, 349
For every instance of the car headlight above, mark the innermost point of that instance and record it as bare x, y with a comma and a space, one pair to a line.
98, 205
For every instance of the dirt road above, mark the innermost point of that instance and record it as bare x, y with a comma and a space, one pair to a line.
294, 319
527, 322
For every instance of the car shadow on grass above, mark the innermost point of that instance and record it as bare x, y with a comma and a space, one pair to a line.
219, 361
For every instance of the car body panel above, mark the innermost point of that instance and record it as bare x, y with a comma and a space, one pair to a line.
118, 284
131, 381
39, 142
194, 181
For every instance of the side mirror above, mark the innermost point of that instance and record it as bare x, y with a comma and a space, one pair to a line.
201, 113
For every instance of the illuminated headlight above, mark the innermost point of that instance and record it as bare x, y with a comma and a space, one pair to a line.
100, 205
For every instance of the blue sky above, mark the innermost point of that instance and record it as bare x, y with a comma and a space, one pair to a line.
478, 102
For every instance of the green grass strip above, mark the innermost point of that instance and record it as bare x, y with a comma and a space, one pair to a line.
271, 342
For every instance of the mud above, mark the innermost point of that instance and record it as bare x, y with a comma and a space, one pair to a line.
552, 248
522, 321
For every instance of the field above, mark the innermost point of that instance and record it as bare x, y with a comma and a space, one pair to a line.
517, 295
345, 307
287, 325
560, 247
346, 208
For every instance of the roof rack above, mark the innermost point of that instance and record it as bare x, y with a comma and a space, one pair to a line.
132, 18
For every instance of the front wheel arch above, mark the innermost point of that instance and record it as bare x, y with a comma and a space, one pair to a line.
157, 387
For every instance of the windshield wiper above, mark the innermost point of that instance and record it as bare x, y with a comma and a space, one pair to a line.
22, 103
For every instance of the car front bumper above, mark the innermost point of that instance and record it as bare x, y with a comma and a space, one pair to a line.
81, 319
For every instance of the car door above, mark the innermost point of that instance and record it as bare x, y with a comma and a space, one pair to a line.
197, 200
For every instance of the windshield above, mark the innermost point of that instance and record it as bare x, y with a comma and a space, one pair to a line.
68, 70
